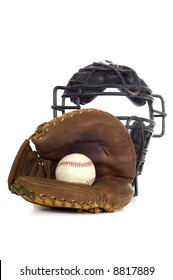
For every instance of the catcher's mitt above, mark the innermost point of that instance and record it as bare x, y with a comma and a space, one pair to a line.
94, 133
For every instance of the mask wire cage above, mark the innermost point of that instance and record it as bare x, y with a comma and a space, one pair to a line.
140, 129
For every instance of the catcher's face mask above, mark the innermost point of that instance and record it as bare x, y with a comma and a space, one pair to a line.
98, 79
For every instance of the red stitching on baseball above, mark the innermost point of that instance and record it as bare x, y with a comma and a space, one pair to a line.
76, 164
90, 181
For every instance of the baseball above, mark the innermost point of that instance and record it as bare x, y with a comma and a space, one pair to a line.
76, 168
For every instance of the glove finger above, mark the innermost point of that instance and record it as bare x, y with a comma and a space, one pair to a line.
108, 195
54, 193
118, 192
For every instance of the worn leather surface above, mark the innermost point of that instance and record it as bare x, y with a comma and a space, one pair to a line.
97, 134
103, 75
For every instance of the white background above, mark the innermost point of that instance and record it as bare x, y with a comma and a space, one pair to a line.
43, 43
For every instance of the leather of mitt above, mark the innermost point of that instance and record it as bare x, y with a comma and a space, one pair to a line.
94, 133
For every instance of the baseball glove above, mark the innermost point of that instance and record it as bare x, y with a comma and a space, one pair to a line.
94, 133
